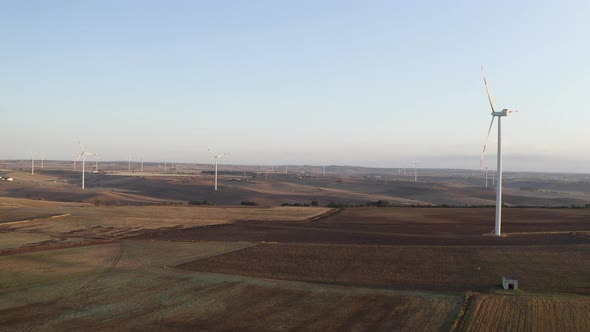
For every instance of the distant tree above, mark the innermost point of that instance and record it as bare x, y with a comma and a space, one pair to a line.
314, 203
249, 203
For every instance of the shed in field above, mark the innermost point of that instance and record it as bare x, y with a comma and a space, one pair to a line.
510, 282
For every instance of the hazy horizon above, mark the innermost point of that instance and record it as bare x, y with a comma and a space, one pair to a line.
377, 84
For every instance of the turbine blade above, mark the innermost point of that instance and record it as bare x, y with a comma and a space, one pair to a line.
486, 142
488, 90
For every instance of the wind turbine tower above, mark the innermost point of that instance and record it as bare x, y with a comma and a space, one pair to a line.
33, 154
499, 115
215, 157
486, 174
83, 155
416, 171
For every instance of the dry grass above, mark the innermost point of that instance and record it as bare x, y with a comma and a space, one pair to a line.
528, 313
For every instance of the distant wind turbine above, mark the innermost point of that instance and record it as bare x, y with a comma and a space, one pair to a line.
83, 155
33, 154
96, 161
493, 178
215, 157
504, 112
416, 171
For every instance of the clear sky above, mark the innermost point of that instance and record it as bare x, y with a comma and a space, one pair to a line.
370, 83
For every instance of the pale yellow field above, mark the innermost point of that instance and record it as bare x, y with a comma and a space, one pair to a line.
27, 222
528, 313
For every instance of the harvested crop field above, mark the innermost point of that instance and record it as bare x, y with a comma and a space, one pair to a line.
131, 286
424, 268
527, 313
34, 223
408, 226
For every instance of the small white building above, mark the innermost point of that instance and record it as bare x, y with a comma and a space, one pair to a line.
510, 282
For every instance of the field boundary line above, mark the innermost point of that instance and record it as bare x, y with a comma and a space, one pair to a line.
469, 297
324, 215
34, 219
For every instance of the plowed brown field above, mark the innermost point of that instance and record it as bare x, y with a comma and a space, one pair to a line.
423, 268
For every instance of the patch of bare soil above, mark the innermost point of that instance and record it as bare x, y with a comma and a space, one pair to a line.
405, 226
423, 268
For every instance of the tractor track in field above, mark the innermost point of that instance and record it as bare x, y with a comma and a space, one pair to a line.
86, 286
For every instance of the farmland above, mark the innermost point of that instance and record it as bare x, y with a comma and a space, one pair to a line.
130, 253
527, 313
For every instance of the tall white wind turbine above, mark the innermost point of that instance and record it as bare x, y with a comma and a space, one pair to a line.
215, 157
83, 155
499, 115
416, 171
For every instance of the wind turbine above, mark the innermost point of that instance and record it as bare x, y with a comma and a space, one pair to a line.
486, 174
416, 171
493, 178
42, 159
33, 154
96, 161
83, 155
215, 156
504, 112
141, 164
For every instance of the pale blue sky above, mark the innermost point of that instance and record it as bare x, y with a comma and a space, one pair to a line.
372, 83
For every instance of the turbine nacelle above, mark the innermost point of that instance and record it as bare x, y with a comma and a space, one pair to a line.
504, 112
